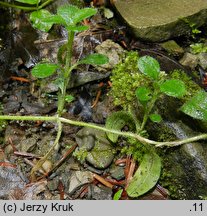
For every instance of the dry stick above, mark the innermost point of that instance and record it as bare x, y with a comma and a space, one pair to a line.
26, 154
121, 133
130, 172
103, 181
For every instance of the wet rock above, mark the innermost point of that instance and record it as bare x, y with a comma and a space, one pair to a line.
35, 191
101, 193
78, 179
172, 48
10, 179
80, 78
113, 51
53, 184
184, 168
12, 105
94, 148
202, 59
159, 20
189, 60
28, 144
117, 172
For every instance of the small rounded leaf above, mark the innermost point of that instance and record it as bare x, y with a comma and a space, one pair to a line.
155, 118
173, 87
149, 66
69, 98
143, 93
44, 70
41, 20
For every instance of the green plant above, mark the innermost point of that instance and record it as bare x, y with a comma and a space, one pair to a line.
198, 48
193, 27
147, 95
27, 5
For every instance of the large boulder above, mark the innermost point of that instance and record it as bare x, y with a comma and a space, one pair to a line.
159, 20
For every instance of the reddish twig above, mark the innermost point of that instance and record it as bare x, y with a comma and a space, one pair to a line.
103, 181
21, 79
61, 190
26, 154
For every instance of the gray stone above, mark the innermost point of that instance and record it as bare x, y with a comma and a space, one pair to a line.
94, 145
159, 20
189, 60
117, 172
202, 58
10, 179
78, 179
113, 51
172, 48
101, 193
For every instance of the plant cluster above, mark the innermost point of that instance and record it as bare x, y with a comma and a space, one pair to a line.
199, 48
126, 78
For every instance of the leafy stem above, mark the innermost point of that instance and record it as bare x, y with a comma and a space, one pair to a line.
149, 108
144, 140
26, 8
67, 71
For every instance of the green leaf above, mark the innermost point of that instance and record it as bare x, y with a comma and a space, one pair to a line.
173, 87
146, 175
67, 12
118, 194
83, 14
73, 15
44, 70
149, 66
116, 121
77, 28
196, 107
42, 20
155, 118
32, 2
69, 98
143, 93
94, 59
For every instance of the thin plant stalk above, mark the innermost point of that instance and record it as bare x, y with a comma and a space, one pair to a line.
42, 160
149, 109
67, 71
121, 133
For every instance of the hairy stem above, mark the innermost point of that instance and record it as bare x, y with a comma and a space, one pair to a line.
121, 133
149, 109
42, 160
67, 71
